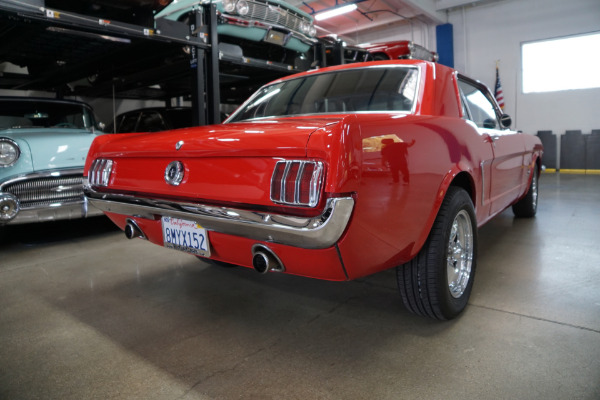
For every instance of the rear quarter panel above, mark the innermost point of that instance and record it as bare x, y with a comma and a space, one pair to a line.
394, 214
399, 167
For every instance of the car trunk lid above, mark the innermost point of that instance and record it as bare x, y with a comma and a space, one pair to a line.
231, 163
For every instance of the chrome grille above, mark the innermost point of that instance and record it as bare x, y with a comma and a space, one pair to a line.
37, 192
275, 14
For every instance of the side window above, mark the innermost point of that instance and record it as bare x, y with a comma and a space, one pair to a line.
480, 108
128, 122
463, 101
151, 121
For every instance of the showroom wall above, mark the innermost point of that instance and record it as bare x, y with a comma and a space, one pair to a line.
494, 31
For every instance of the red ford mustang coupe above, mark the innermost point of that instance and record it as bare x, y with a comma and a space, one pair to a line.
333, 174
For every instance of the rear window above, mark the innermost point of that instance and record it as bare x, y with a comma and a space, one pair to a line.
358, 90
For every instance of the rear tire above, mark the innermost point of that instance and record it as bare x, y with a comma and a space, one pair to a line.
527, 206
437, 283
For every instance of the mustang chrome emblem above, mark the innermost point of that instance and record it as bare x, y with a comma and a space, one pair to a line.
174, 173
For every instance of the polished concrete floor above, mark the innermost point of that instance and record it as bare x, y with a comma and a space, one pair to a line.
87, 314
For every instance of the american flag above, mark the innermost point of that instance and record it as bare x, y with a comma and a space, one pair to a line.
498, 90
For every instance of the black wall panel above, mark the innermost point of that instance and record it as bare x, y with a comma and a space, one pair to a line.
549, 141
592, 150
572, 150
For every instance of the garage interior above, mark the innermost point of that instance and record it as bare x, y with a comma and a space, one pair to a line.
85, 313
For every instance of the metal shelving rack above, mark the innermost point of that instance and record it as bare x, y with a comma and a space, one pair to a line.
142, 56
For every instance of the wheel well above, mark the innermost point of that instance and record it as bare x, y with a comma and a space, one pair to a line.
464, 181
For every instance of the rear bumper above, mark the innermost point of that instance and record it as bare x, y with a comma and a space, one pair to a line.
318, 232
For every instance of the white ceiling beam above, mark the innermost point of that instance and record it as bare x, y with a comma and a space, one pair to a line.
428, 8
446, 4
344, 30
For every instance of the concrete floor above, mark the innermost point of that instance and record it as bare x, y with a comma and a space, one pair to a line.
87, 314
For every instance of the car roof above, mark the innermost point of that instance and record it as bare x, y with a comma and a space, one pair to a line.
43, 99
352, 66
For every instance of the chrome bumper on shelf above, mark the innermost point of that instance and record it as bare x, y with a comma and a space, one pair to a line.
318, 232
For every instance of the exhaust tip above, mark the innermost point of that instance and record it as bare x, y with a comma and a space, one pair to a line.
132, 230
264, 260
261, 262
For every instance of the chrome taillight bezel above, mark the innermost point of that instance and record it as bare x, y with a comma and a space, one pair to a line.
280, 191
100, 171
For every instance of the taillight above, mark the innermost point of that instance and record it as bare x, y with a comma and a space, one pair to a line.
99, 173
297, 183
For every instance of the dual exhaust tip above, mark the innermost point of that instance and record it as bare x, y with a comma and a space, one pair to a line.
263, 258
132, 230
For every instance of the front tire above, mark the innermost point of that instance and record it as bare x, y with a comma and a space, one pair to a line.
437, 283
527, 206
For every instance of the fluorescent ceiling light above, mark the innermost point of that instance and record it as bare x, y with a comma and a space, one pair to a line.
335, 12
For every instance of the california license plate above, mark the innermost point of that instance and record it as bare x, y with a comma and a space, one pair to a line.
188, 236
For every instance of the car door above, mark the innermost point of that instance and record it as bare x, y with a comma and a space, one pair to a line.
506, 170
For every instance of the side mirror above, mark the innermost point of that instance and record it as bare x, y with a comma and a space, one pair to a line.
505, 120
489, 123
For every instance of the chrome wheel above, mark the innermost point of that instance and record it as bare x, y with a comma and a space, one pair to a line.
527, 206
437, 282
460, 254
534, 189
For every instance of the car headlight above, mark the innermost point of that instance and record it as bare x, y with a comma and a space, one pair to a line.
304, 27
9, 152
242, 7
312, 31
229, 5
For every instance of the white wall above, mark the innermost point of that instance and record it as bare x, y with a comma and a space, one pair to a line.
486, 33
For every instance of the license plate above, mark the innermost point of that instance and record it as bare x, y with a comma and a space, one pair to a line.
275, 37
187, 236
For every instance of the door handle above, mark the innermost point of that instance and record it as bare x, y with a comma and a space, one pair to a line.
491, 139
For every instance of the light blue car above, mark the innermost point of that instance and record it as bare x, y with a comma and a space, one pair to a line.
270, 30
43, 146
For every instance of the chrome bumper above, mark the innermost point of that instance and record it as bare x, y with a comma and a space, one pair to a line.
318, 232
56, 212
50, 195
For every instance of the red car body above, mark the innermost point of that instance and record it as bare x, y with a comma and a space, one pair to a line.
399, 50
375, 183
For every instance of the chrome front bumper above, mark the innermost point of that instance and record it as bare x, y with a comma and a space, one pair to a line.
56, 212
44, 196
318, 232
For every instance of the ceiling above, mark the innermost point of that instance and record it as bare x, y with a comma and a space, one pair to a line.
372, 14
